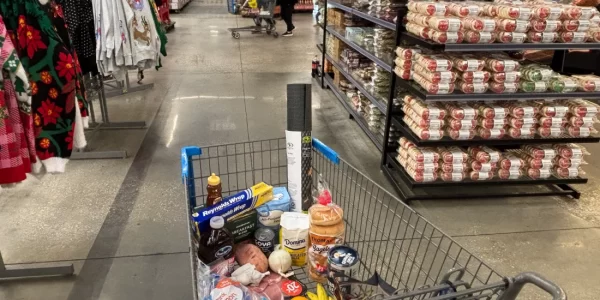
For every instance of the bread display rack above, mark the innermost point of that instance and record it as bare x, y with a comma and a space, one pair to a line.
405, 185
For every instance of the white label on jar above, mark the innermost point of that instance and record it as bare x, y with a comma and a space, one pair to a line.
469, 112
434, 112
472, 65
435, 124
457, 157
544, 173
584, 131
554, 12
509, 65
435, 135
554, 132
464, 134
549, 153
499, 113
540, 86
520, 27
573, 172
428, 156
457, 176
587, 121
486, 167
484, 175
528, 112
511, 76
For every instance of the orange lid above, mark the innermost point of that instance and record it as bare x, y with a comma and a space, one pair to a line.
214, 179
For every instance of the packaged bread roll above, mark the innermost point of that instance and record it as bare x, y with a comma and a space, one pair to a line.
550, 132
481, 166
566, 172
423, 154
525, 123
433, 88
511, 161
454, 167
511, 37
494, 133
484, 154
578, 131
475, 76
538, 173
588, 83
491, 111
553, 110
452, 154
571, 151
406, 53
562, 162
479, 175
552, 122
501, 88
479, 24
467, 62
572, 37
463, 134
546, 25
501, 63
474, 37
428, 111
326, 231
428, 8
464, 9
472, 88
576, 121
489, 123
422, 167
435, 76
508, 25
582, 108
521, 133
504, 77
539, 151
405, 143
509, 174
453, 176
434, 62
464, 124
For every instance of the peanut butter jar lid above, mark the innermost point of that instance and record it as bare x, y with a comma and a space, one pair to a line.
214, 179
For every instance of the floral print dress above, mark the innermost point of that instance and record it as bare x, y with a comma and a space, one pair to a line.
53, 74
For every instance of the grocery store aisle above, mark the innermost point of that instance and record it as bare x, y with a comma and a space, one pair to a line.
122, 222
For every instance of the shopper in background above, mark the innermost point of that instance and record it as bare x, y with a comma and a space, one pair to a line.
287, 9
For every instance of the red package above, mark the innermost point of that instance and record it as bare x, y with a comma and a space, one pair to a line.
422, 167
508, 25
403, 73
553, 110
419, 30
447, 37
547, 12
566, 172
484, 154
521, 122
506, 87
488, 123
423, 154
491, 111
428, 8
546, 25
468, 63
434, 62
577, 12
542, 37
475, 76
572, 37
562, 162
485, 133
578, 131
588, 83
521, 110
580, 121
511, 37
568, 151
509, 174
539, 151
426, 134
479, 24
463, 134
461, 111
445, 24
435, 76
538, 173
504, 77
552, 122
433, 88
515, 12
473, 37
405, 143
427, 111
521, 133
454, 167
472, 88
464, 9
403, 63
424, 124
550, 132
510, 161
582, 108
452, 154
464, 124
406, 53
453, 176
476, 175
482, 167
501, 63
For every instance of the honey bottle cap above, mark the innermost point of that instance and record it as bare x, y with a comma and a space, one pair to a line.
214, 179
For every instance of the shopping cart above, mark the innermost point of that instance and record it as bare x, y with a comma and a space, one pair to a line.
262, 16
406, 251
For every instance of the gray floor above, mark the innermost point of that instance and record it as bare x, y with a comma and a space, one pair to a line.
122, 222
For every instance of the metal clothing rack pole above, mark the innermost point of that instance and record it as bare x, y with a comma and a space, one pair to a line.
122, 87
106, 124
54, 270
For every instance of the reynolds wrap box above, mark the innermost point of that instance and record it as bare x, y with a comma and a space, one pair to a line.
234, 205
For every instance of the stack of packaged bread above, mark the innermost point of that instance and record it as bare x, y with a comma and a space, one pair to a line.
326, 231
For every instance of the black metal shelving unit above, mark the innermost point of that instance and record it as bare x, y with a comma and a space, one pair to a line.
495, 188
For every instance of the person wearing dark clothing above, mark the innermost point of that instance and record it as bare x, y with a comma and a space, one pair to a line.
287, 9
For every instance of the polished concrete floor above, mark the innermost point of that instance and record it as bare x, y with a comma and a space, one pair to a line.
122, 222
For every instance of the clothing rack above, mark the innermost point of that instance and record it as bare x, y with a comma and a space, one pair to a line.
97, 84
54, 270
122, 87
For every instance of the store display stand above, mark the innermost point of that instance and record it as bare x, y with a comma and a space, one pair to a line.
122, 87
402, 182
106, 124
55, 270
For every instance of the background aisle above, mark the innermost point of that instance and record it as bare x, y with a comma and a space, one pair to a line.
122, 222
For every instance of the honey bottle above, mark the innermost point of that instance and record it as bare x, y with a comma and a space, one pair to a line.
213, 190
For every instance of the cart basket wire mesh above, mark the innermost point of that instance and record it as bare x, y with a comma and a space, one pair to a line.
405, 250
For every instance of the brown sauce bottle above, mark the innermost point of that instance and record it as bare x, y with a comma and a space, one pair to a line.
213, 189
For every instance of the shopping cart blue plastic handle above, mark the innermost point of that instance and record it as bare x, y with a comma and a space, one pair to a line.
188, 152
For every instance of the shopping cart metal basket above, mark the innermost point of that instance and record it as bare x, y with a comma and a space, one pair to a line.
262, 16
406, 251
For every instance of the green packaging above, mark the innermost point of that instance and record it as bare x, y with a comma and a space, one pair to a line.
242, 227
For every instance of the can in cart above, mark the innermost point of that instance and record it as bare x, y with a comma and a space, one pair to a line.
264, 238
341, 260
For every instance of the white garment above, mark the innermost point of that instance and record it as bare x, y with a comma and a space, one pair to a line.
145, 41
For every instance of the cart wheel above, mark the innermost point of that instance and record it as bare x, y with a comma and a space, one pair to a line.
235, 34
275, 34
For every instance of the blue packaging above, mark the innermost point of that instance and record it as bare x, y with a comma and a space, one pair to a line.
269, 214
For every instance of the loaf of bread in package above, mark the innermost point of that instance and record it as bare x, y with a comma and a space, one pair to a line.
404, 63
484, 153
474, 76
460, 111
552, 109
573, 37
472, 88
467, 62
571, 12
572, 151
445, 24
403, 73
538, 25
515, 12
463, 134
525, 123
509, 25
423, 154
418, 30
406, 52
452, 154
520, 109
452, 176
509, 174
536, 72
428, 111
501, 63
491, 111
534, 163
521, 133
588, 83
571, 172
464, 9
481, 166
562, 162
511, 37
422, 167
417, 176
433, 88
405, 143
479, 24
490, 123
503, 88
506, 77
539, 151
576, 25
461, 124
576, 121
435, 76
510, 161
578, 131
533, 86
411, 116
547, 12
494, 133
582, 108
553, 132
551, 122
428, 8
475, 37
434, 62
479, 175
538, 173
454, 167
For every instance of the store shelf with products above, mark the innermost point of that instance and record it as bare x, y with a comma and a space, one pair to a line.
357, 84
358, 13
464, 47
506, 141
341, 36
355, 115
414, 89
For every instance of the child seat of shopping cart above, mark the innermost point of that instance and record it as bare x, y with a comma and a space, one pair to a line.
262, 12
402, 256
